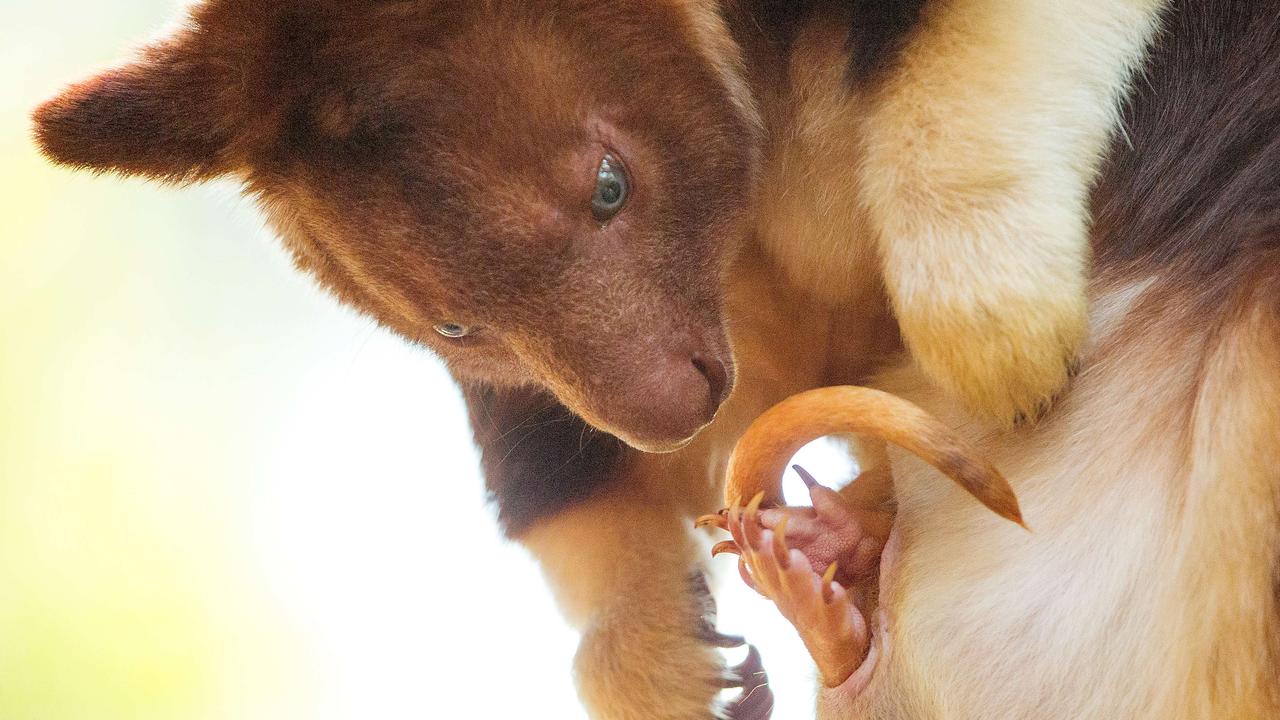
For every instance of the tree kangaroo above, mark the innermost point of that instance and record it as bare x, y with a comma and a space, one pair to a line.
630, 227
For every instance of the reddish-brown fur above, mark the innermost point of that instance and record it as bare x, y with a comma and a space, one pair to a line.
466, 183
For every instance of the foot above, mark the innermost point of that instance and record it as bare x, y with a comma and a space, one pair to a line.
755, 701
820, 566
1006, 365
660, 658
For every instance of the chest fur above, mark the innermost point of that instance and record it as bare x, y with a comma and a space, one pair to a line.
809, 220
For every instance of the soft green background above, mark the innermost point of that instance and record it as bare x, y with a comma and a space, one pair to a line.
221, 495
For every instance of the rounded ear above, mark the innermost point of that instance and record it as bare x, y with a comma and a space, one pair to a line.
164, 116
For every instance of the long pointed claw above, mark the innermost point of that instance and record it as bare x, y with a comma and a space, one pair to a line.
751, 520
735, 518
721, 640
780, 553
809, 480
756, 700
827, 578
751, 667
725, 546
719, 520
827, 503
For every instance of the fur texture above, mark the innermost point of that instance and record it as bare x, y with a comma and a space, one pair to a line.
781, 155
981, 148
1150, 586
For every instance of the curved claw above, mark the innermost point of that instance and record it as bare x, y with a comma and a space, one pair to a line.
725, 546
756, 700
720, 640
734, 517
707, 623
827, 578
718, 520
780, 550
809, 480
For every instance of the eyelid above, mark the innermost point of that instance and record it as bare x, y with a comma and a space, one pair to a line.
447, 330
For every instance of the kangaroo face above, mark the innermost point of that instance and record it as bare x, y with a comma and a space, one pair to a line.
541, 195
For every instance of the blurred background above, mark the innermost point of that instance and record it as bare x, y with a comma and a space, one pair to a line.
224, 496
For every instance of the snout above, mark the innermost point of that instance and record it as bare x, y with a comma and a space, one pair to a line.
653, 390
679, 397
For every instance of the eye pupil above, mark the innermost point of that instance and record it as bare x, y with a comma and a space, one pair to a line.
610, 192
453, 330
611, 189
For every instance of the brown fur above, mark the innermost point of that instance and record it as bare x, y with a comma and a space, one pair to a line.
423, 187
466, 183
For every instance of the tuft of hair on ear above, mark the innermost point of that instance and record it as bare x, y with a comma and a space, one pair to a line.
163, 116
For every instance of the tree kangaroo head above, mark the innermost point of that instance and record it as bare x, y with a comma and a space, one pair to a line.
544, 194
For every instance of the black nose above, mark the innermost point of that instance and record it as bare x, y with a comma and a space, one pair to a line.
717, 378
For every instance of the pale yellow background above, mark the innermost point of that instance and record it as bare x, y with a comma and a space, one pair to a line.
223, 496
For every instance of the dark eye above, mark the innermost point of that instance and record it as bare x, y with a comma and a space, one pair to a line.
453, 330
611, 189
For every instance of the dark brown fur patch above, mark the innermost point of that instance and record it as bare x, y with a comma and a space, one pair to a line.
877, 29
159, 118
538, 458
1193, 181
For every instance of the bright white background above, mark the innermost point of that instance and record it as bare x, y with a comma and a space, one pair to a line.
221, 494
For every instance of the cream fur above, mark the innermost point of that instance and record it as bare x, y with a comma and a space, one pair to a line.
1145, 590
979, 153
